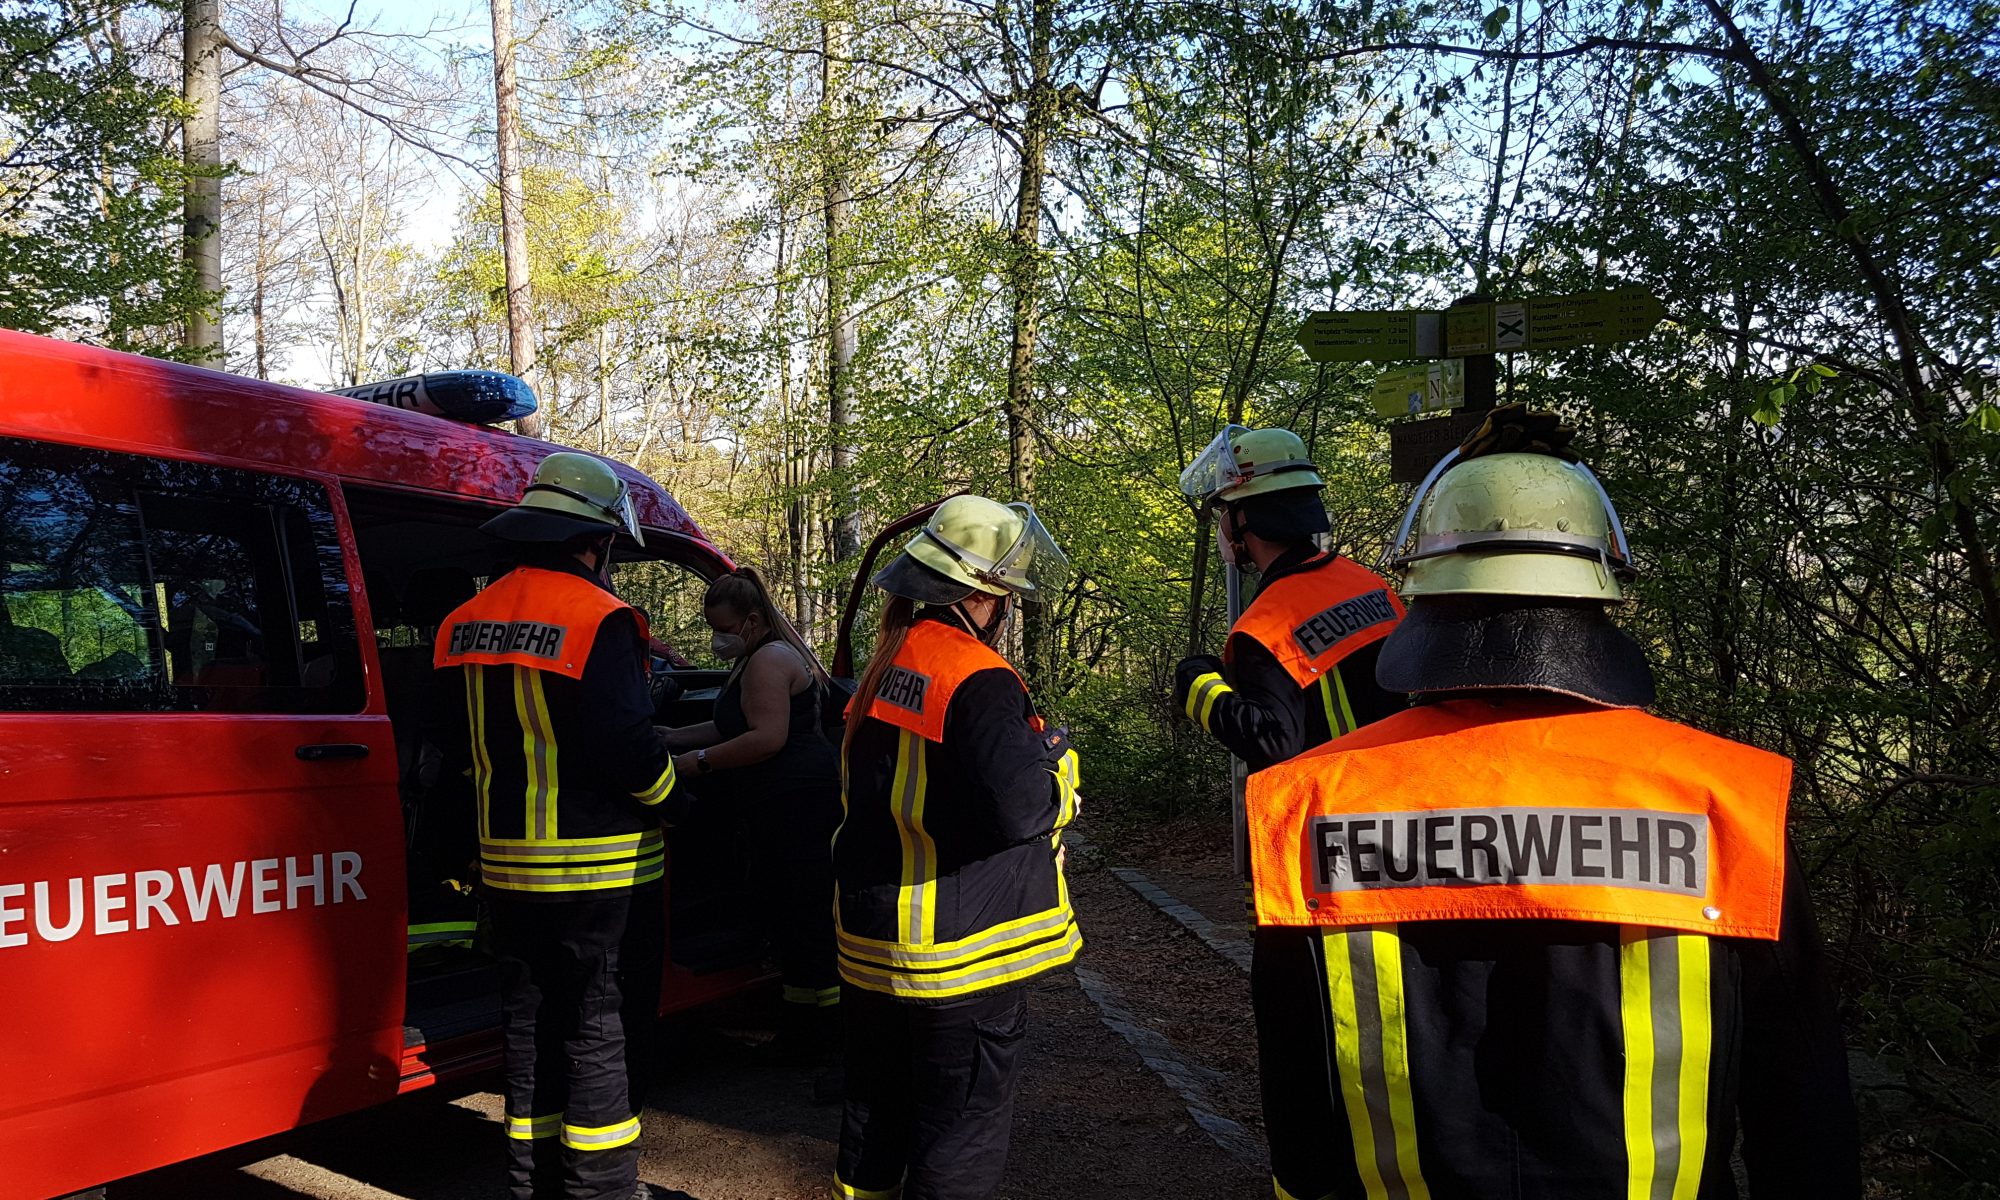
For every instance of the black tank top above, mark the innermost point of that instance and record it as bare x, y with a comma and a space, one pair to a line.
798, 788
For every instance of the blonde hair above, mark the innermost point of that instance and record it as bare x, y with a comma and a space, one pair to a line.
898, 614
744, 590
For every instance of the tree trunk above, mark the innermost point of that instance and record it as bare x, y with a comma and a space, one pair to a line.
1025, 269
257, 285
513, 229
201, 148
841, 325
1026, 264
357, 367
603, 391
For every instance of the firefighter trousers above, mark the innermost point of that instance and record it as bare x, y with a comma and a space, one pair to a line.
1310, 1158
580, 995
801, 925
930, 1095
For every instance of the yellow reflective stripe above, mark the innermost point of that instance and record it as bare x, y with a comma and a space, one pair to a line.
660, 787
1364, 974
1338, 686
1635, 1009
829, 996
794, 994
844, 1190
1326, 703
482, 766
1278, 1189
580, 850
1347, 1058
966, 980
538, 749
529, 1129
1067, 781
916, 896
1696, 1038
601, 1137
1396, 1058
984, 944
646, 874
1664, 1007
609, 840
1202, 695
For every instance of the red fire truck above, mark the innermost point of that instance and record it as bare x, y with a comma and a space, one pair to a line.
219, 856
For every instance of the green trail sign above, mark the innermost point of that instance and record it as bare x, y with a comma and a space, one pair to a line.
1426, 387
1551, 322
1544, 323
1369, 336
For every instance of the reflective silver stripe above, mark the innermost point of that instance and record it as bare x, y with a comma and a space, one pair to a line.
945, 955
1664, 960
966, 980
528, 704
582, 849
560, 875
528, 1129
605, 1137
661, 787
917, 884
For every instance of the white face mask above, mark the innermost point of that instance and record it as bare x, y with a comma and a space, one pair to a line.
1225, 546
728, 645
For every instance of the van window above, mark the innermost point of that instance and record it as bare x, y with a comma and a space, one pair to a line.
144, 585
670, 594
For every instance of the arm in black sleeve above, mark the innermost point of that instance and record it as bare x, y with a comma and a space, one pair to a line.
617, 720
1367, 699
1262, 718
446, 724
1006, 762
1797, 1111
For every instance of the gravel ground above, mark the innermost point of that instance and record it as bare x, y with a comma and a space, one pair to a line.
1092, 1121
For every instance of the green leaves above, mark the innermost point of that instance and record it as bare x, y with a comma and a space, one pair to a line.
1496, 22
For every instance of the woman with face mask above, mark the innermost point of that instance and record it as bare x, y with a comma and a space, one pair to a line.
949, 860
764, 756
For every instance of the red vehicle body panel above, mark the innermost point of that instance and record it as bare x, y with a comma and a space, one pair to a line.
125, 1050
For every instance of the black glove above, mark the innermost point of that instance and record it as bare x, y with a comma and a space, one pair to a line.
1513, 427
1195, 692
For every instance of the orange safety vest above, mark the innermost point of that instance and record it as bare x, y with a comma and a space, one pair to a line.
530, 617
1464, 810
932, 661
1311, 620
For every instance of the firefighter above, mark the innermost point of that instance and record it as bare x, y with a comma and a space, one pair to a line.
1565, 949
948, 863
1297, 670
573, 783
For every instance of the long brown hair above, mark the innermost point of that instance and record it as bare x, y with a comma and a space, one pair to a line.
898, 614
744, 590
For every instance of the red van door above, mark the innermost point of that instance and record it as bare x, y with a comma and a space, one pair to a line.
201, 876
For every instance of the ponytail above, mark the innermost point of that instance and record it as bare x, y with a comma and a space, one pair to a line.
744, 590
897, 616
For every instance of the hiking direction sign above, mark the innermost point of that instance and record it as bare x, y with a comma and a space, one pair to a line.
1468, 336
1543, 323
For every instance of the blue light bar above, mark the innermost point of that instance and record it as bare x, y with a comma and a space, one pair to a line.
478, 397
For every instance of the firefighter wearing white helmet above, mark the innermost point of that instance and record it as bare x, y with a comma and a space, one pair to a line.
949, 861
550, 668
1563, 945
1297, 671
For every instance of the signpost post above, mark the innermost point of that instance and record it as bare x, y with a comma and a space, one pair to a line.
1476, 330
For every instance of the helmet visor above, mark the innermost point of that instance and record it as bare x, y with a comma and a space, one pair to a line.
1215, 468
627, 513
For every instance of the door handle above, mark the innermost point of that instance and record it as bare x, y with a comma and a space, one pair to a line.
322, 751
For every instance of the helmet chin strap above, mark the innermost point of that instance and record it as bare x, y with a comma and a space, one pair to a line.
988, 632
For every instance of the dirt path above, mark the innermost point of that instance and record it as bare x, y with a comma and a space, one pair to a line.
1094, 1120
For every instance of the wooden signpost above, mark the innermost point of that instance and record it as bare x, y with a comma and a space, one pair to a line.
1474, 330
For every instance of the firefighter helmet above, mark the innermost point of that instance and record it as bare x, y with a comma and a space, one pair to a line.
572, 495
1242, 462
1513, 524
974, 544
